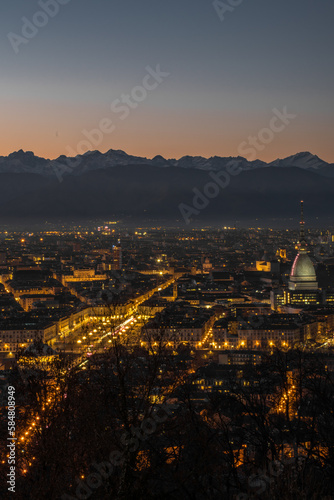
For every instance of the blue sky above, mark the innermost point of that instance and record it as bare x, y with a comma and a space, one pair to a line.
225, 76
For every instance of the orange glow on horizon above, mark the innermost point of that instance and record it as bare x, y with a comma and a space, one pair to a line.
53, 130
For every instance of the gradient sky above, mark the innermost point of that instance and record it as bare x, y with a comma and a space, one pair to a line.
225, 76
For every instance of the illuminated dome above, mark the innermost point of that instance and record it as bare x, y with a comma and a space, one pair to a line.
303, 275
303, 268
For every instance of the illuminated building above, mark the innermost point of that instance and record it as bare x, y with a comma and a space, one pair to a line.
16, 335
175, 290
276, 330
303, 275
116, 258
281, 254
303, 285
207, 266
263, 266
80, 275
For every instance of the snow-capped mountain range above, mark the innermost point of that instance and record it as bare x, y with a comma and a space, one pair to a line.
117, 186
26, 162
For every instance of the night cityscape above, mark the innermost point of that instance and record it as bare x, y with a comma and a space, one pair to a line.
166, 250
229, 331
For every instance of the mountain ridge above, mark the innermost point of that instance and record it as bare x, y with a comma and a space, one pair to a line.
26, 162
126, 187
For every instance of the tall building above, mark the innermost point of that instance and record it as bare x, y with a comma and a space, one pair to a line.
302, 275
303, 286
116, 258
302, 289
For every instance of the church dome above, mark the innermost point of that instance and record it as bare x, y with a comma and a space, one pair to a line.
303, 268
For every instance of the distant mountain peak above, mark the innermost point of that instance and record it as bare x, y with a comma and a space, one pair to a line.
304, 159
21, 154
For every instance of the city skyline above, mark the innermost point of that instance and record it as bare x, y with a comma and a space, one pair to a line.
107, 330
